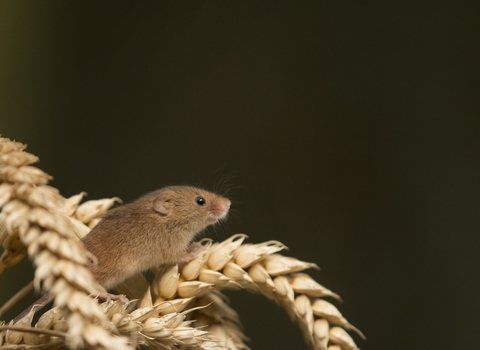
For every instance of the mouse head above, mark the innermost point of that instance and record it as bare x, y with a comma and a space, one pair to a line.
191, 206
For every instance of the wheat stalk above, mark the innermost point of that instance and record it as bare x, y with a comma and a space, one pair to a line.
183, 308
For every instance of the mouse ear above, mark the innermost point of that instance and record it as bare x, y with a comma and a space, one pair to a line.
162, 204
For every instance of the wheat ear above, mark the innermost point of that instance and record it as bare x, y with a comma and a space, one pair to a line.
32, 216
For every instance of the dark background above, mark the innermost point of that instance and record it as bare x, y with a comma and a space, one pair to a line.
351, 129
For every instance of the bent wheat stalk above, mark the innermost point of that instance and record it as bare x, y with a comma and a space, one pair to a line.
183, 308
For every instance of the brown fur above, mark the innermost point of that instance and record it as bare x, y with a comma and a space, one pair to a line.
135, 237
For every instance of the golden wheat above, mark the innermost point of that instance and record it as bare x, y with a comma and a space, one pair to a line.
182, 308
32, 214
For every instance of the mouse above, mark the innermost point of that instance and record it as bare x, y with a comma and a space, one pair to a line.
156, 229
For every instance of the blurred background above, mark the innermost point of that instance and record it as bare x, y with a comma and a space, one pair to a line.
347, 130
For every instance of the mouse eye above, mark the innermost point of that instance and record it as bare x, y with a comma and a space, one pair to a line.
200, 201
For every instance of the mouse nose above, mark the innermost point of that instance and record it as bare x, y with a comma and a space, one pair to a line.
224, 207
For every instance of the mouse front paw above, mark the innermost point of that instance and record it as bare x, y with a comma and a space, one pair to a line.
192, 252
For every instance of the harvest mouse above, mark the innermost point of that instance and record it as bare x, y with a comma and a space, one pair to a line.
154, 230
